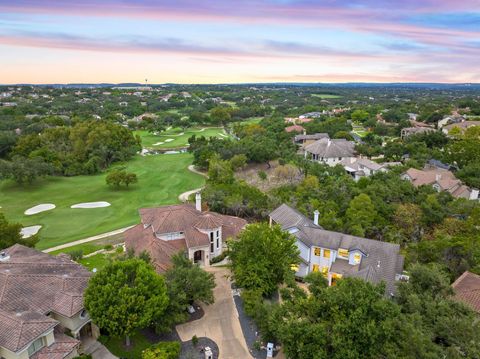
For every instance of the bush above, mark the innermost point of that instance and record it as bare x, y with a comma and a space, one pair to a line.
219, 258
163, 350
83, 356
76, 254
195, 340
252, 301
262, 175
108, 247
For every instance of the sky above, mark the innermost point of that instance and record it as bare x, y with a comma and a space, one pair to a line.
238, 41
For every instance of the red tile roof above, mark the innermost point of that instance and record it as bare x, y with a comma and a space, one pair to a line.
184, 220
467, 290
61, 348
33, 284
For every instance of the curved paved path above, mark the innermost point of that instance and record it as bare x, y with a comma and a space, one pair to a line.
183, 197
86, 240
220, 322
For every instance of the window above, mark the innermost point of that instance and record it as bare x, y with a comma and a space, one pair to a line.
326, 253
357, 257
36, 346
317, 251
83, 314
212, 249
218, 233
218, 242
211, 236
325, 270
294, 267
343, 253
315, 268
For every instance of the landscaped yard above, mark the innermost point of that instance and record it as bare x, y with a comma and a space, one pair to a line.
161, 178
117, 345
176, 137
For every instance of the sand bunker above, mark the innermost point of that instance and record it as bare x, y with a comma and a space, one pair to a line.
169, 140
91, 205
39, 208
221, 134
27, 232
158, 143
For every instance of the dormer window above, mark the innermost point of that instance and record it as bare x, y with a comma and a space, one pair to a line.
343, 253
357, 258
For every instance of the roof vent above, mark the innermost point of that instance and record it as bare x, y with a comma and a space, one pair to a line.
378, 264
4, 256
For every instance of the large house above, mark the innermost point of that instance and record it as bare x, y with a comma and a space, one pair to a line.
330, 151
359, 167
442, 180
308, 139
461, 126
165, 231
41, 299
338, 255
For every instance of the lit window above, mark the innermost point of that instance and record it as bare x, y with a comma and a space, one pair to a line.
357, 257
326, 253
317, 251
325, 270
315, 268
343, 253
294, 267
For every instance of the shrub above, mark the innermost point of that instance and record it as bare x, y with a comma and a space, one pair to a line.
76, 254
252, 301
163, 350
262, 175
195, 340
219, 258
108, 247
83, 356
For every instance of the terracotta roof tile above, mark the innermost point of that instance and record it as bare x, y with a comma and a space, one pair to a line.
467, 290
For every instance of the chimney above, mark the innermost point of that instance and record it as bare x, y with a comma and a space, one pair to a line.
474, 194
198, 201
329, 141
438, 177
304, 131
315, 216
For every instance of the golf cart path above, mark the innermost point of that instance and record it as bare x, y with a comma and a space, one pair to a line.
86, 240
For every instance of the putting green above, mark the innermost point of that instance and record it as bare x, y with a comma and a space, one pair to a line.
176, 137
161, 179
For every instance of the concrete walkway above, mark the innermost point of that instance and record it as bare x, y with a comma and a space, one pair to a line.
86, 240
98, 350
220, 322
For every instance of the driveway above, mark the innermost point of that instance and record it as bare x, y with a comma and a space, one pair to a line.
220, 322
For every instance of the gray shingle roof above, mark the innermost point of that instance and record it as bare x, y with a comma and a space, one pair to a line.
331, 148
382, 260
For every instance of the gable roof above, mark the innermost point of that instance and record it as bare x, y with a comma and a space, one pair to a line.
382, 260
328, 148
32, 284
467, 290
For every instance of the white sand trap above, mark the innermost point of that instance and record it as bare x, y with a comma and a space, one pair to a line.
169, 140
221, 134
27, 232
39, 208
158, 143
91, 205
203, 129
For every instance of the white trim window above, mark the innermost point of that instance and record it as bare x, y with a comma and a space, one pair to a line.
36, 346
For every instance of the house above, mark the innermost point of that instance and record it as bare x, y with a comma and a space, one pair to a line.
307, 139
467, 290
338, 255
41, 299
410, 131
295, 128
359, 167
442, 180
462, 126
330, 151
165, 231
449, 120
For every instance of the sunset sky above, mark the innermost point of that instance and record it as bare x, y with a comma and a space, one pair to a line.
231, 41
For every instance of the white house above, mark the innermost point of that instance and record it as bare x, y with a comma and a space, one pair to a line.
330, 151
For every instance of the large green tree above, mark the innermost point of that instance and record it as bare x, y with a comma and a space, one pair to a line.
360, 214
10, 234
126, 295
262, 257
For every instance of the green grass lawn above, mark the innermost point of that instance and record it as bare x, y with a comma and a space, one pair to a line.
161, 179
117, 345
252, 120
176, 137
325, 96
98, 261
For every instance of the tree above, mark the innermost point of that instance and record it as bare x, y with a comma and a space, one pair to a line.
262, 257
163, 350
407, 220
24, 170
186, 283
238, 161
126, 295
10, 234
118, 177
360, 214
220, 171
220, 115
